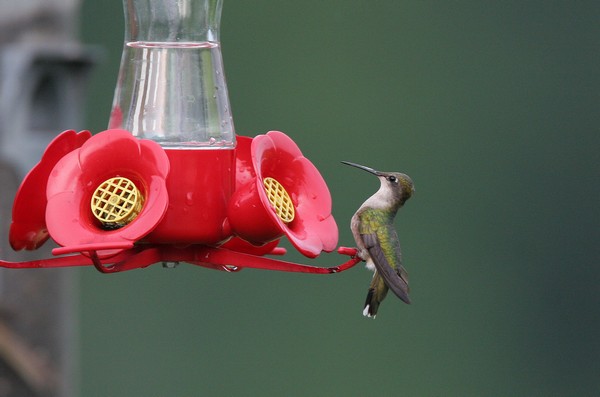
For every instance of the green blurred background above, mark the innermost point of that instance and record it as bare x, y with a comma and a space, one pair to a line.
491, 108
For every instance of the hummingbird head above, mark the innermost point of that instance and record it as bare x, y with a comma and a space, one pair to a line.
396, 187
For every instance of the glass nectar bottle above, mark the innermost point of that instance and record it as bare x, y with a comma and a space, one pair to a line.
171, 86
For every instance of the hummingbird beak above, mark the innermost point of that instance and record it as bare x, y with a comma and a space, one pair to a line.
362, 167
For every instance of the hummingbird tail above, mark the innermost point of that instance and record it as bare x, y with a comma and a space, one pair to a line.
377, 292
371, 304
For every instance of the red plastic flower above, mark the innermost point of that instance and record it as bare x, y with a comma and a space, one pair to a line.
28, 229
78, 177
283, 194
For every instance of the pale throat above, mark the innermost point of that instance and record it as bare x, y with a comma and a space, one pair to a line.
382, 199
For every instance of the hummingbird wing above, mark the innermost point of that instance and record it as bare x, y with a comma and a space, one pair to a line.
381, 241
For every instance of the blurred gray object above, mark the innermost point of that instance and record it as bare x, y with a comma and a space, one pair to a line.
42, 20
43, 70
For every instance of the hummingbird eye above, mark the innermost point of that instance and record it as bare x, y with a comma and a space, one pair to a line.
392, 179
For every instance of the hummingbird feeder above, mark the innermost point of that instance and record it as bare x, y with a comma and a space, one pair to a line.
170, 181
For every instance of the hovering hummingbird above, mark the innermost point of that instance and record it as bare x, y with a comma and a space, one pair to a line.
376, 239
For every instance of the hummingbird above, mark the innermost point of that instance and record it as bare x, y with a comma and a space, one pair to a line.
377, 240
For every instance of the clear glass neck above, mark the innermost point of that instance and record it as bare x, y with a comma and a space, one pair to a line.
171, 86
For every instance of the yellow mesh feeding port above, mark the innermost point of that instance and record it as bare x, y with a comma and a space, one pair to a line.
280, 200
116, 202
